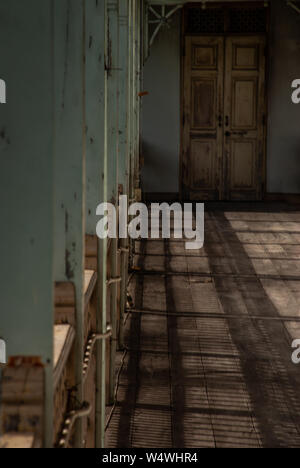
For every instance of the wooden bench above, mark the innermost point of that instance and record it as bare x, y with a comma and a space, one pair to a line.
22, 400
64, 303
19, 441
23, 404
64, 334
64, 364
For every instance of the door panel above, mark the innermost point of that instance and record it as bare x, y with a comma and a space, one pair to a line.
244, 104
203, 163
224, 107
244, 107
203, 110
204, 57
242, 167
245, 57
203, 104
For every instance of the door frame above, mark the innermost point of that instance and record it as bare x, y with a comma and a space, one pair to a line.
183, 35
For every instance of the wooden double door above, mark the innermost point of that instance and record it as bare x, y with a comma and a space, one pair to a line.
223, 137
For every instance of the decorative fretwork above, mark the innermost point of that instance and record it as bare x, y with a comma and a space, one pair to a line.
293, 5
159, 19
252, 20
201, 21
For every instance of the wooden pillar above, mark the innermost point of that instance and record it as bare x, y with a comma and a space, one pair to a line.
70, 179
112, 103
113, 153
96, 179
26, 187
123, 95
133, 97
123, 144
137, 98
130, 95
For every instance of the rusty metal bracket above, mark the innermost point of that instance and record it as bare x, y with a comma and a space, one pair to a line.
123, 250
113, 281
72, 417
90, 348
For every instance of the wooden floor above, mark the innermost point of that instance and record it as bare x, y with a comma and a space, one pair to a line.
208, 361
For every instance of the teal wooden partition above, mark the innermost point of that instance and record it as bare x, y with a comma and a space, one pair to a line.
27, 185
124, 143
69, 140
97, 177
70, 161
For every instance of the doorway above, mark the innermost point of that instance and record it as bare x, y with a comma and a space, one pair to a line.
224, 105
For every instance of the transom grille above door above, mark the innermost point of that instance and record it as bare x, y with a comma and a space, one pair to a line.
226, 20
201, 21
248, 20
